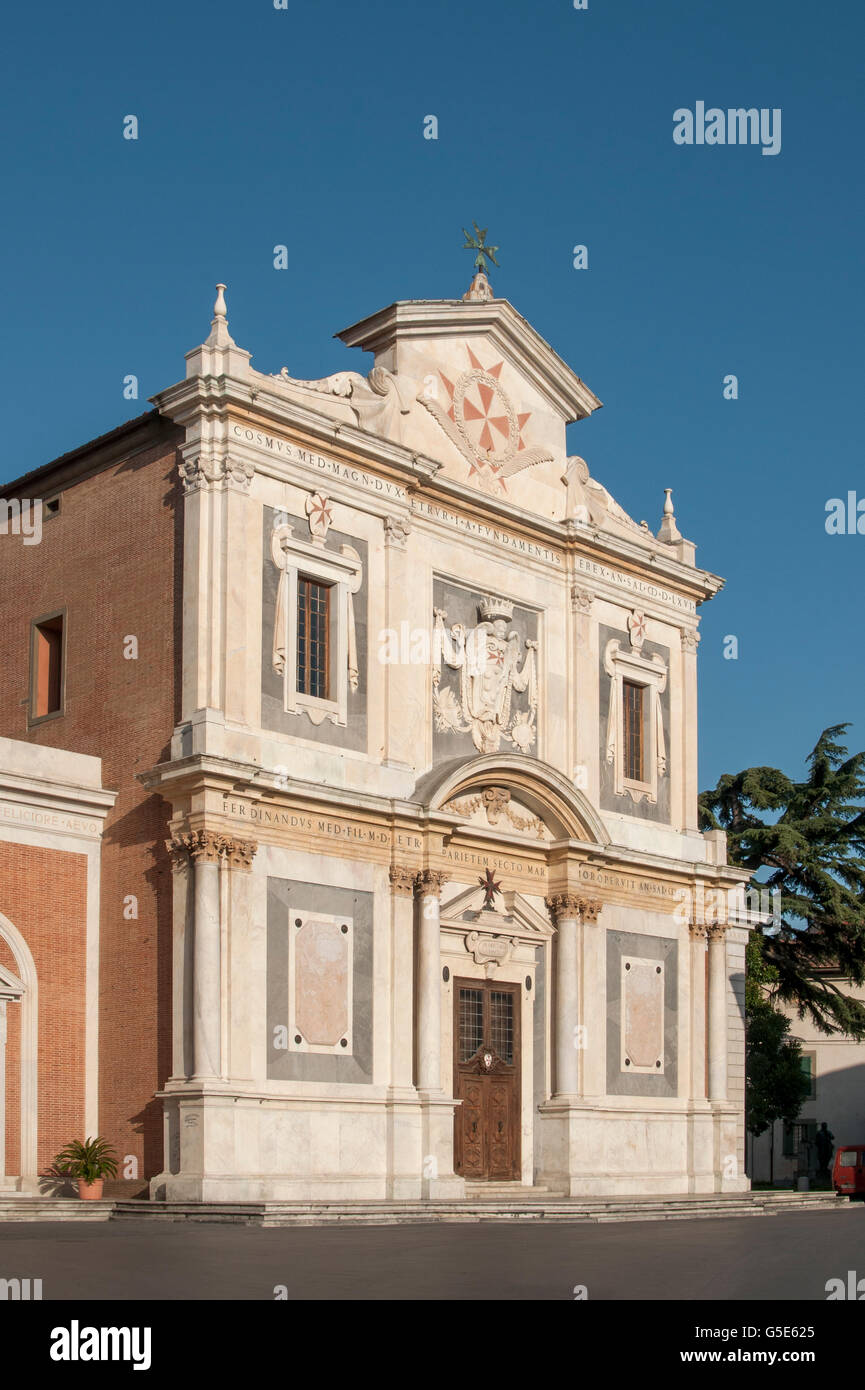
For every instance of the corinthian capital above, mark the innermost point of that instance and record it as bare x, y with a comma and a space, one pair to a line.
402, 880
239, 853
397, 530
562, 906
429, 882
209, 847
581, 599
200, 473
590, 908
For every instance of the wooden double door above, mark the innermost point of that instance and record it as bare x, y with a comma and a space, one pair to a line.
487, 1079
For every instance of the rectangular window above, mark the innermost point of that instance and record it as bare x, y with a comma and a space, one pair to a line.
46, 667
809, 1067
313, 628
632, 699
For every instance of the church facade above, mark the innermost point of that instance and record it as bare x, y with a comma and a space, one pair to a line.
417, 786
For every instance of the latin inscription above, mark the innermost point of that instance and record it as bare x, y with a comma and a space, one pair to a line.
48, 820
489, 533
320, 825
604, 879
636, 586
272, 444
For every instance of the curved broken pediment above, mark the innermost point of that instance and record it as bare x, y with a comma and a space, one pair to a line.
537, 793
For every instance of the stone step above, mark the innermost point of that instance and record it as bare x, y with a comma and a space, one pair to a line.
25, 1208
520, 1204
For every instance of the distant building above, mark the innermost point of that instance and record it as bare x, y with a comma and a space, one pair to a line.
366, 723
835, 1065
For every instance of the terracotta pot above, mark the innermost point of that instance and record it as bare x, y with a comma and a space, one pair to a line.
90, 1191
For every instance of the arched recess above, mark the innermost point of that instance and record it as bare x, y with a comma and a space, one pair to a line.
23, 986
547, 792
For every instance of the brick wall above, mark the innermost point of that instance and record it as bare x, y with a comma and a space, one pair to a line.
112, 559
44, 893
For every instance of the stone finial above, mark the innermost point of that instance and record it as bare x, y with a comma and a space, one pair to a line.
479, 291
669, 531
219, 334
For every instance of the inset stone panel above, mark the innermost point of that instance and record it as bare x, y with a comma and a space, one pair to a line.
642, 1015
317, 988
633, 1012
319, 975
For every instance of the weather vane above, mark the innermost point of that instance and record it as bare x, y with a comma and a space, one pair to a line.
478, 243
490, 888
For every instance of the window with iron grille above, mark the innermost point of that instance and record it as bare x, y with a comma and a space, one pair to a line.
313, 625
632, 699
471, 1023
502, 1024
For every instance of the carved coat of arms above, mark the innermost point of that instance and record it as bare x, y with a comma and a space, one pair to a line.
488, 660
479, 418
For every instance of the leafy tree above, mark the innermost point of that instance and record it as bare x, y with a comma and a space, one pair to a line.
810, 837
775, 1084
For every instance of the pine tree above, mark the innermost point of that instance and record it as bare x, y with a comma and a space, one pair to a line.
810, 837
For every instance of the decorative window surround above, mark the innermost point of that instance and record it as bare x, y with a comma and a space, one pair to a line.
651, 674
343, 570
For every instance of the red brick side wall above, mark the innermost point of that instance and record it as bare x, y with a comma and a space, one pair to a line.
112, 558
44, 894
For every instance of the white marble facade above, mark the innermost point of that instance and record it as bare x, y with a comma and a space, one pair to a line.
489, 608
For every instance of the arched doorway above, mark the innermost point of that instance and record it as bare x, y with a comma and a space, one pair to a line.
18, 1102
508, 832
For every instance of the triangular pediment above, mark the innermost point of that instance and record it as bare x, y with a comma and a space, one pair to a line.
513, 915
491, 398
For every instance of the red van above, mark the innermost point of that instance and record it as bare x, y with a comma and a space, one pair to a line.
848, 1173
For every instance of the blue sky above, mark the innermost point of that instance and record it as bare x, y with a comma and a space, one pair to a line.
305, 127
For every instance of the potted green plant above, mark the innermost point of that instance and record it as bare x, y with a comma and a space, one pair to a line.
89, 1163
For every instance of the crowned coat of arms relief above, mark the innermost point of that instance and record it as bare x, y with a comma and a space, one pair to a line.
488, 659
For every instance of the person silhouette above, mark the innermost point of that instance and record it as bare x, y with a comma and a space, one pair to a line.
825, 1142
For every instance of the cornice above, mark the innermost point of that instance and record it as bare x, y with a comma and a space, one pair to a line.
499, 320
219, 397
250, 780
42, 793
